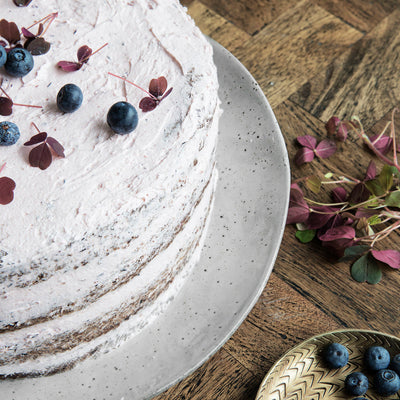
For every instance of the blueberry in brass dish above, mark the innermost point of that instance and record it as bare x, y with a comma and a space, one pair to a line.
19, 62
386, 382
336, 355
69, 98
376, 358
356, 384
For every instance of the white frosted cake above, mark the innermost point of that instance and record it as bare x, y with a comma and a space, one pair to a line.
95, 246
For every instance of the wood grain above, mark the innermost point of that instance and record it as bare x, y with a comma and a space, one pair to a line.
363, 81
298, 44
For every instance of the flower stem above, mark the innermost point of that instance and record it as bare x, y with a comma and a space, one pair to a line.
134, 84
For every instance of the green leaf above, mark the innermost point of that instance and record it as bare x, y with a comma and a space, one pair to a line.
366, 269
328, 175
375, 187
305, 236
393, 199
314, 183
353, 252
374, 220
395, 172
386, 178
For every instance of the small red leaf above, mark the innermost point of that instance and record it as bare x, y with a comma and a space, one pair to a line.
27, 34
7, 186
338, 232
307, 141
371, 171
382, 144
56, 146
325, 148
148, 104
83, 54
40, 156
158, 86
321, 217
389, 257
69, 66
40, 137
339, 195
9, 31
5, 106
303, 155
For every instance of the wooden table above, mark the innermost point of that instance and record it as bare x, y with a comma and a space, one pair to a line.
313, 59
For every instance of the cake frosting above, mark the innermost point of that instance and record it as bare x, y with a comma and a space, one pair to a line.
97, 245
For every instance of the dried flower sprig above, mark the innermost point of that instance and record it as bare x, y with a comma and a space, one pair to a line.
41, 155
83, 55
362, 213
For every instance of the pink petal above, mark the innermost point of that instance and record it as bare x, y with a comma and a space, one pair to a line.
338, 232
389, 257
69, 66
307, 141
303, 155
325, 148
382, 144
339, 195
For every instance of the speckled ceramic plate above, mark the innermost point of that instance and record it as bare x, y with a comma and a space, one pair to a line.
302, 374
242, 243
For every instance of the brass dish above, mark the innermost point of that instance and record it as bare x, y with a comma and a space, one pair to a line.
301, 373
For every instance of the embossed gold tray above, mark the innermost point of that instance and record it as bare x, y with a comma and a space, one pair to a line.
301, 373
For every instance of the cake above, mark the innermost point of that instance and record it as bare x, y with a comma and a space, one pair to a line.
97, 245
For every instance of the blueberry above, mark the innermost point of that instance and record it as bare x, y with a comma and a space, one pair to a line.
376, 358
336, 355
356, 384
9, 133
395, 364
19, 62
122, 118
386, 382
3, 56
69, 98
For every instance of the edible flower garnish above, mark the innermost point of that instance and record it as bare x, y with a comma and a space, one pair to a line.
7, 187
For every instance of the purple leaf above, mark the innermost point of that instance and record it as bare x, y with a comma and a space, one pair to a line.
298, 207
9, 31
83, 54
371, 171
7, 186
158, 86
69, 66
5, 106
56, 146
167, 93
297, 214
40, 156
389, 257
382, 144
325, 148
359, 194
148, 104
318, 219
336, 127
27, 34
40, 137
38, 46
307, 141
366, 212
303, 156
339, 195
338, 232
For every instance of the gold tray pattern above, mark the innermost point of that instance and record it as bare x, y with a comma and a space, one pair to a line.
301, 373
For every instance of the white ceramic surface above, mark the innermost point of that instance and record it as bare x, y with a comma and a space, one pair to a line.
240, 250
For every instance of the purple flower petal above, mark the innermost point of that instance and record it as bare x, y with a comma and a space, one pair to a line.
339, 195
307, 141
389, 257
382, 144
325, 148
69, 66
303, 156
